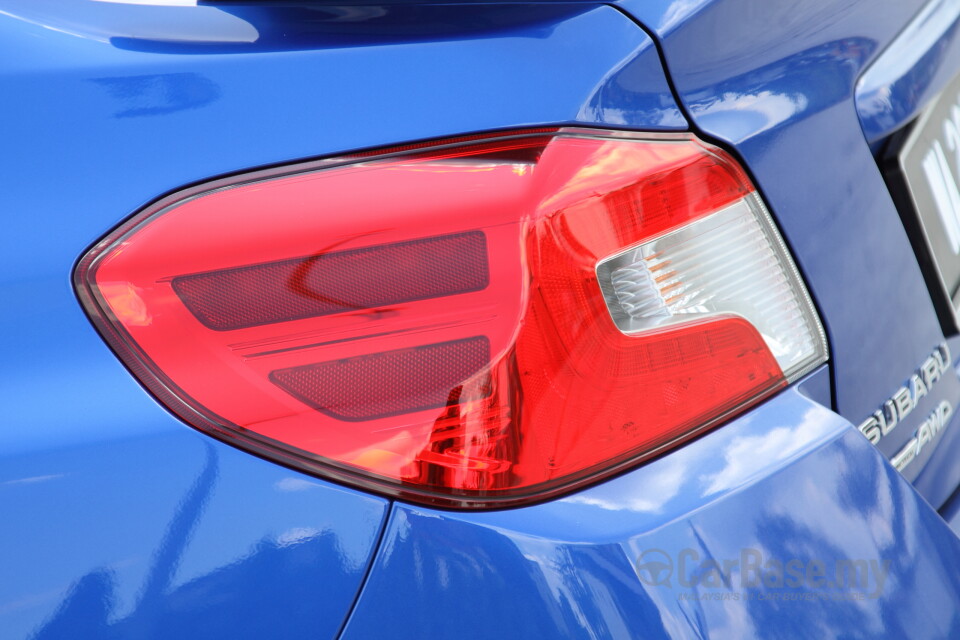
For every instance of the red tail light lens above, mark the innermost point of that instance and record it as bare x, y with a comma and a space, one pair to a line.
471, 324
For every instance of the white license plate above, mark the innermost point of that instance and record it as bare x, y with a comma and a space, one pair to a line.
929, 162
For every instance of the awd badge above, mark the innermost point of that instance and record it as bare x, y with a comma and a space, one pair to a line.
904, 400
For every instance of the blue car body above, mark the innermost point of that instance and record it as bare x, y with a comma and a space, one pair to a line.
120, 521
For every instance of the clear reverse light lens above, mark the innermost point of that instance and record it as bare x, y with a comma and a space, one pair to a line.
730, 262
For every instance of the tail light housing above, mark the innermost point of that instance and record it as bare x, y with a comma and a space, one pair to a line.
470, 323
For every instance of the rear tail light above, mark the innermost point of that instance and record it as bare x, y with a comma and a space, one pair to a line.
474, 323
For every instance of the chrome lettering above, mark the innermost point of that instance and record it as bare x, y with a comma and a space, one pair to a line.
924, 435
887, 416
942, 354
871, 429
904, 400
917, 388
930, 370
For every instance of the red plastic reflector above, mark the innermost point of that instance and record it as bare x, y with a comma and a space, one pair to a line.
334, 282
380, 385
428, 322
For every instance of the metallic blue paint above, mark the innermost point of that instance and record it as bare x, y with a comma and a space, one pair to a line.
122, 522
171, 533
912, 71
789, 480
119, 521
951, 512
784, 99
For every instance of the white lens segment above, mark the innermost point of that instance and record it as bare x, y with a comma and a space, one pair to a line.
732, 261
